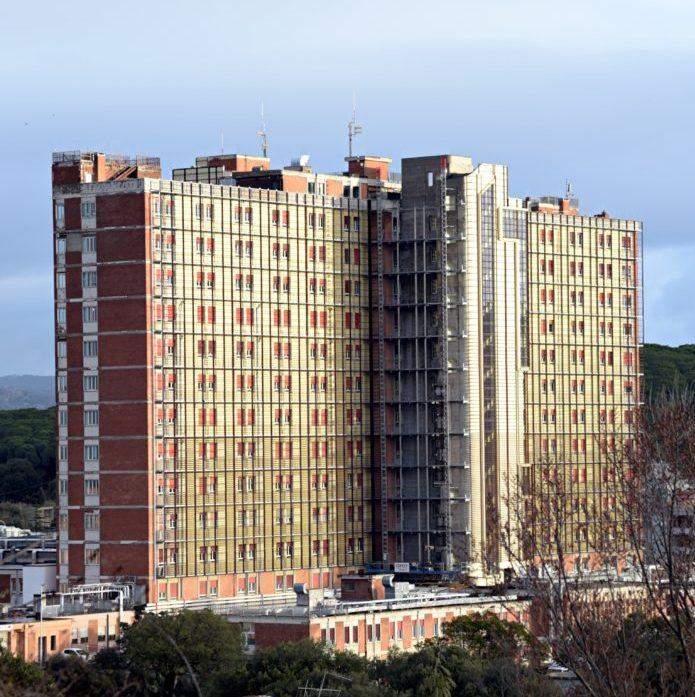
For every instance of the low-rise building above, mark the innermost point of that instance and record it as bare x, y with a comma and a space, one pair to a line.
373, 615
37, 640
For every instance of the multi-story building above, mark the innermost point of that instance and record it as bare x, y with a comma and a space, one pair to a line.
583, 385
269, 376
213, 373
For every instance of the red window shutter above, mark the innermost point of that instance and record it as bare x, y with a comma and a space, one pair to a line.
238, 316
276, 318
212, 347
322, 319
312, 253
312, 318
276, 350
358, 320
322, 254
211, 315
201, 417
239, 417
348, 320
357, 255
249, 315
286, 318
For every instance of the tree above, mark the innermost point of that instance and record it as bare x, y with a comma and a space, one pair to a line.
631, 597
17, 677
180, 653
486, 636
19, 481
75, 677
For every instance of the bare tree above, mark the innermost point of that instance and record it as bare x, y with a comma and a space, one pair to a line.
612, 567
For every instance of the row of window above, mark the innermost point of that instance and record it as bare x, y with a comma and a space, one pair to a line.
245, 349
604, 240
578, 356
577, 386
91, 486
547, 326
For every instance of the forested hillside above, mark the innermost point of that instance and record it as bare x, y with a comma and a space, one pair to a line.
27, 455
666, 366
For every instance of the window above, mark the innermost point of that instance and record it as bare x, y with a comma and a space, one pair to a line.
89, 313
91, 417
91, 383
91, 520
91, 452
89, 279
61, 245
91, 556
91, 486
89, 244
90, 348
60, 213
88, 209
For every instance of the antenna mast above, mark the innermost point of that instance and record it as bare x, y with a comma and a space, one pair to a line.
353, 128
569, 190
263, 133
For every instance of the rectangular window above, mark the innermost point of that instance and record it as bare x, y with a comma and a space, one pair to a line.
91, 348
91, 452
91, 521
89, 313
89, 244
91, 417
89, 279
88, 209
91, 486
91, 383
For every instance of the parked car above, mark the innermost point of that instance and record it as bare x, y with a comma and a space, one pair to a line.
80, 653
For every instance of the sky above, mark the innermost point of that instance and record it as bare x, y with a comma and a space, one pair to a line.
598, 92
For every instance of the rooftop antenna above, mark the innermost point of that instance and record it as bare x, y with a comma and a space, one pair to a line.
569, 190
263, 133
353, 128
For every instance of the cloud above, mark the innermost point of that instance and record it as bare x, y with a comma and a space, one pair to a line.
26, 311
669, 311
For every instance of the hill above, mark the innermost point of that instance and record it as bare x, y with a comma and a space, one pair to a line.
27, 391
27, 455
666, 366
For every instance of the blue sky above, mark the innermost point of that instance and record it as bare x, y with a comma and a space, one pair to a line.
602, 93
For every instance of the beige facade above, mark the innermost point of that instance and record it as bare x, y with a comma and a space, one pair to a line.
270, 386
584, 384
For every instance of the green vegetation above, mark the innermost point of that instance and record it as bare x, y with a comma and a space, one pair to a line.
200, 653
666, 367
27, 455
